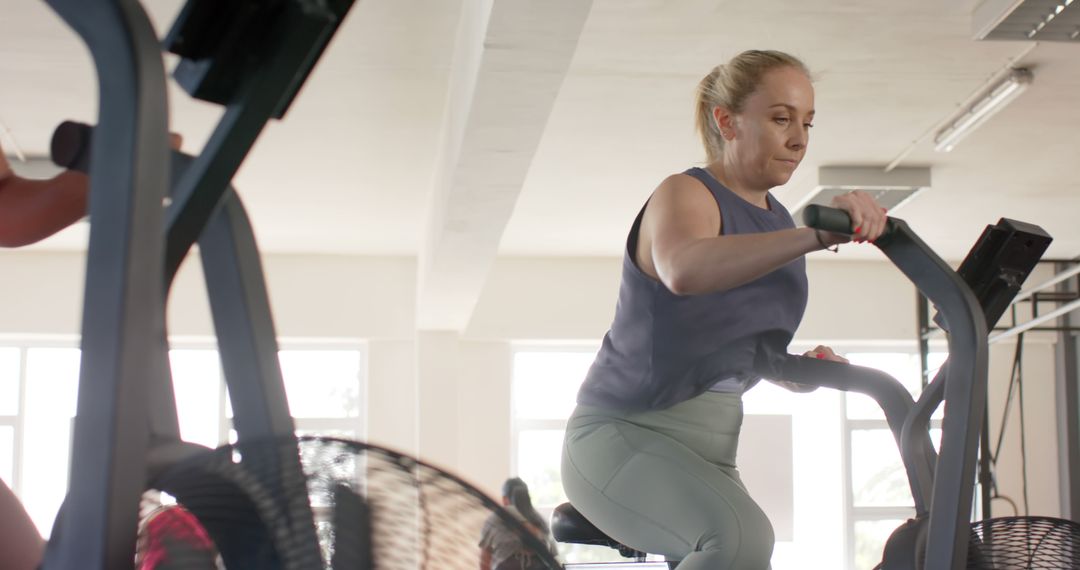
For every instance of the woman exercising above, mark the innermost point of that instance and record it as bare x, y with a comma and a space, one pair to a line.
713, 280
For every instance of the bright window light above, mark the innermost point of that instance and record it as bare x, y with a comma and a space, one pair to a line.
546, 382
9, 381
197, 385
322, 383
324, 386
536, 449
7, 455
904, 366
52, 379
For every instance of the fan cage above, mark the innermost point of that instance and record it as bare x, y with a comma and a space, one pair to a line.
1024, 543
370, 507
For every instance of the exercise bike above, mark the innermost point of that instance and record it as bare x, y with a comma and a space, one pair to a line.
272, 500
970, 300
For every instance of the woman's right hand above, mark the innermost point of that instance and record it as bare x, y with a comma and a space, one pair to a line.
868, 218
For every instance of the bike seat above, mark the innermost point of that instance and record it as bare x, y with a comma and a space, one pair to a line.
570, 526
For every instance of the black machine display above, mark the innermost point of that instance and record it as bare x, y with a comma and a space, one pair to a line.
970, 300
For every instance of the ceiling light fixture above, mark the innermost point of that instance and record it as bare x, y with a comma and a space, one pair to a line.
1059, 8
996, 98
1026, 20
889, 188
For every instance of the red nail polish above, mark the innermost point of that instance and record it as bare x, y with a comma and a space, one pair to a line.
819, 355
858, 229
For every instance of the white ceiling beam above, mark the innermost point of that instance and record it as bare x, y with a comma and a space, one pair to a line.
509, 63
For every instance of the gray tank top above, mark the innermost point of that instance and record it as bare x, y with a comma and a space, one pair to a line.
663, 348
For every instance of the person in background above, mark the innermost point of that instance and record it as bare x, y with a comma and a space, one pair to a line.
501, 548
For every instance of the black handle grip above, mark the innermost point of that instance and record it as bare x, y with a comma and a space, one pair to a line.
826, 218
70, 147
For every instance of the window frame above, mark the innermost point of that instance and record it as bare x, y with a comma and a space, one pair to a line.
854, 514
357, 425
518, 425
18, 424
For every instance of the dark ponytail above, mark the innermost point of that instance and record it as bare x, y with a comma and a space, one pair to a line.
518, 493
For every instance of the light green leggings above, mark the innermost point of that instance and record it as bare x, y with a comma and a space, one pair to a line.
665, 482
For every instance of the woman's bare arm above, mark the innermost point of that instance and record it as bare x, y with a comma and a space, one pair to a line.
680, 242
20, 543
681, 245
32, 210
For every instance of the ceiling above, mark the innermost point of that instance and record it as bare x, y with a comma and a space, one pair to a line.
360, 164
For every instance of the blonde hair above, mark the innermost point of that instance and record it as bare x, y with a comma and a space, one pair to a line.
728, 85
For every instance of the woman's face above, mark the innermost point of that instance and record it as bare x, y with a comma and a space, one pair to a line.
768, 137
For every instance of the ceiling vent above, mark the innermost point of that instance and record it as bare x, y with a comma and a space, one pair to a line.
1027, 20
891, 189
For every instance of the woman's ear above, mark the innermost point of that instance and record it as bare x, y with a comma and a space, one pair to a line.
724, 120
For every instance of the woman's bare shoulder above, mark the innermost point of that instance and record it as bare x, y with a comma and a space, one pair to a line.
683, 189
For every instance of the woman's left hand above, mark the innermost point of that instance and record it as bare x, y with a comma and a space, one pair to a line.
825, 353
821, 352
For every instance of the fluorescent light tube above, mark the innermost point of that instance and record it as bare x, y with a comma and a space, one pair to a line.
994, 101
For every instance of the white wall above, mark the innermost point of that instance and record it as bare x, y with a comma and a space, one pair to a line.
40, 293
858, 301
1040, 417
446, 395
312, 296
543, 299
392, 395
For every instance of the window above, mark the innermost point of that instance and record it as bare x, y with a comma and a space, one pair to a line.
200, 395
10, 405
51, 383
877, 495
545, 385
38, 387
324, 388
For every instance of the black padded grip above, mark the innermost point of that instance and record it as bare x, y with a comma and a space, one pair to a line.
826, 218
70, 147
